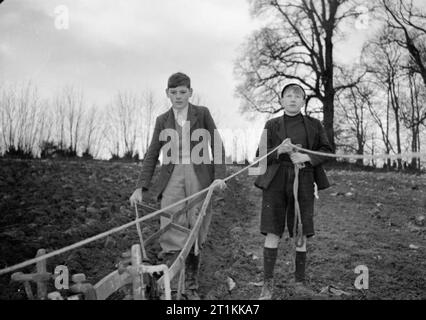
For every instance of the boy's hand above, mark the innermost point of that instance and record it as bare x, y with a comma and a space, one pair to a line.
220, 184
136, 197
285, 147
297, 157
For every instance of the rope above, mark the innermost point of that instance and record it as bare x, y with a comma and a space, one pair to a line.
364, 156
297, 225
138, 228
213, 185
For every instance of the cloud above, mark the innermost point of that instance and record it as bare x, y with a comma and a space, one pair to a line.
127, 45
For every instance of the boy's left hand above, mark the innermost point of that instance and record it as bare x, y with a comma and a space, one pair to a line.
220, 184
297, 157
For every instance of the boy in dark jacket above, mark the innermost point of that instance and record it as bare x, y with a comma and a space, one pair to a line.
277, 182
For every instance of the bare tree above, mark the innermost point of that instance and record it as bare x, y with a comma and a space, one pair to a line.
92, 132
414, 114
46, 124
69, 105
375, 109
409, 25
297, 45
74, 103
125, 124
147, 110
59, 111
8, 117
353, 105
21, 119
385, 61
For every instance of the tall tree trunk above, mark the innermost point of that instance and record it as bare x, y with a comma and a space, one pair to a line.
398, 136
415, 121
395, 106
360, 150
387, 129
414, 146
329, 85
419, 147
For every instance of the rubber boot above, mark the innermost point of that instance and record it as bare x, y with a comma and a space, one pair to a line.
192, 267
267, 289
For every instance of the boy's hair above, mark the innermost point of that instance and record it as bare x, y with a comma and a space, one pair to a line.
179, 79
293, 87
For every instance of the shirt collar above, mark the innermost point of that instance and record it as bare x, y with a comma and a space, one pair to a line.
183, 112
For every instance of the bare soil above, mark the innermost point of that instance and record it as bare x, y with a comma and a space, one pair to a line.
365, 218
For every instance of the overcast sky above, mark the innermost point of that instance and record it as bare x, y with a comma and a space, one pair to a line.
134, 45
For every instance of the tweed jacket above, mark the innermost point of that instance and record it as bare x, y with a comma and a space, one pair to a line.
199, 118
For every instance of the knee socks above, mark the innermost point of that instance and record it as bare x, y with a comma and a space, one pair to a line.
269, 258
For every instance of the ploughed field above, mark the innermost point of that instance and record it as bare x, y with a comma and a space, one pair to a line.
365, 218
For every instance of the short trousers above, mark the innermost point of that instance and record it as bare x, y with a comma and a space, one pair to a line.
278, 202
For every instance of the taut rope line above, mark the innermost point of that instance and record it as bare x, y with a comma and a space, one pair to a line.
124, 226
213, 185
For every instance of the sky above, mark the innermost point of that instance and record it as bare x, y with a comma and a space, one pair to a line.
131, 45
135, 46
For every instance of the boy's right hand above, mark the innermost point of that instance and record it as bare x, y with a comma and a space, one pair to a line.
285, 147
136, 197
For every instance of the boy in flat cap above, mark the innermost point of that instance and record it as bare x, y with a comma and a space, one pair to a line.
277, 183
184, 175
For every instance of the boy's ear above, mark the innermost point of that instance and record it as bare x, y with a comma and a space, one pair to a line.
167, 92
190, 92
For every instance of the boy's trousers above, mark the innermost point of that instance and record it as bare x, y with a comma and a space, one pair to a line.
278, 201
183, 183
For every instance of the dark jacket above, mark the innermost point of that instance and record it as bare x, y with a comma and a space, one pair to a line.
317, 141
200, 118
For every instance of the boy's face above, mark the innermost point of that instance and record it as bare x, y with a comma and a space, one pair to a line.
179, 96
293, 100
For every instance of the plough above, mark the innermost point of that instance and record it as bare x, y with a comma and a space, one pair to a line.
146, 281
